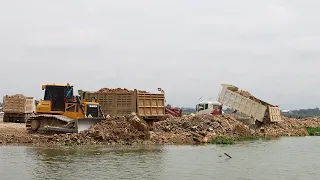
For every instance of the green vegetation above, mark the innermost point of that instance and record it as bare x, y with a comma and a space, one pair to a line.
232, 140
222, 140
313, 131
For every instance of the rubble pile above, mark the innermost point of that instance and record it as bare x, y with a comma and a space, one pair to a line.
288, 127
176, 130
115, 130
200, 128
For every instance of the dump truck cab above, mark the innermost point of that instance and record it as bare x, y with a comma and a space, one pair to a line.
209, 107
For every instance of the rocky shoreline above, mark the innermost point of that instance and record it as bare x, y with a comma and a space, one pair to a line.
130, 130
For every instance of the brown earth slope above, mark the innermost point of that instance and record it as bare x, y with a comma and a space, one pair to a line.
132, 130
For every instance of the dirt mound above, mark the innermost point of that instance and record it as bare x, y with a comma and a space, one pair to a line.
288, 127
117, 90
247, 95
119, 130
184, 130
200, 128
16, 96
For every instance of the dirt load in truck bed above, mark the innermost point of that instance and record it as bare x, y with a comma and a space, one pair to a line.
117, 90
246, 94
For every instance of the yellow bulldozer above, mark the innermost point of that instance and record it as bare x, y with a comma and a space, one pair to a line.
61, 111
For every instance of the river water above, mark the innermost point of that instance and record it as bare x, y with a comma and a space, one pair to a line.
285, 158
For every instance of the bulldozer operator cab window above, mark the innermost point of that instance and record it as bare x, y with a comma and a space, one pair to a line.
57, 94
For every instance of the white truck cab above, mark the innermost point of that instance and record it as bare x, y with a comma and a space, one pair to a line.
209, 107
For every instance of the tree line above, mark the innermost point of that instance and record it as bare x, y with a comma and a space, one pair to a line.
302, 113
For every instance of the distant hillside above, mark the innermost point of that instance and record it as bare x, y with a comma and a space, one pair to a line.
302, 113
186, 111
299, 114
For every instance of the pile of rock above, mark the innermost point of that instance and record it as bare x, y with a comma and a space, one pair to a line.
115, 130
288, 127
200, 128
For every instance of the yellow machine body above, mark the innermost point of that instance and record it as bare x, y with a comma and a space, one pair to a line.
61, 111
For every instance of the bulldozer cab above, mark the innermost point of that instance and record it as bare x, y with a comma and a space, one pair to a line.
58, 95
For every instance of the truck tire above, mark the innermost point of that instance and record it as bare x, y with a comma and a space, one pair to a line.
6, 118
22, 119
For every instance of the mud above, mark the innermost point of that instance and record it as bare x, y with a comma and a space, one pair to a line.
132, 130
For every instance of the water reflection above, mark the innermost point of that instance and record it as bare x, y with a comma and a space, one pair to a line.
286, 158
109, 163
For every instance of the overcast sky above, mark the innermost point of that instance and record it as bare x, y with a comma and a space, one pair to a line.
189, 48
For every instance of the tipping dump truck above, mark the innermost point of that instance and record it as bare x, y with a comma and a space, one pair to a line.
121, 102
17, 108
249, 105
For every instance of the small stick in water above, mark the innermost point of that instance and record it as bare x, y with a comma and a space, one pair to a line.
227, 155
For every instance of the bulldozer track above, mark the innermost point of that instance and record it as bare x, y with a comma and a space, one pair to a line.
48, 120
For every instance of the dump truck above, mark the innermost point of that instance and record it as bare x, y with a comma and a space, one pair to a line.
121, 102
17, 108
249, 105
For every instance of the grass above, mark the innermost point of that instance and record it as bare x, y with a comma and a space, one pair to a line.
222, 140
232, 140
313, 131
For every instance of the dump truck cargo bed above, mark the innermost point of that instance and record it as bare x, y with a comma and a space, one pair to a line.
146, 105
249, 105
18, 104
17, 108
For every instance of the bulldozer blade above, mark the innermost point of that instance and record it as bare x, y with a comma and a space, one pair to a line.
86, 123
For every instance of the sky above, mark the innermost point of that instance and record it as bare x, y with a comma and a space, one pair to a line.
189, 48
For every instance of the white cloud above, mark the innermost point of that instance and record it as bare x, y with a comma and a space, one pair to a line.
279, 13
306, 43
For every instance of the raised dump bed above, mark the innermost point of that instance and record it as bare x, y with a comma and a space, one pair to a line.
17, 108
119, 102
249, 105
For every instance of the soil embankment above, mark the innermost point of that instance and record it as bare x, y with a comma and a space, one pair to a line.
131, 130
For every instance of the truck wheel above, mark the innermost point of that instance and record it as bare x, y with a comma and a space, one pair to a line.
10, 119
22, 119
5, 118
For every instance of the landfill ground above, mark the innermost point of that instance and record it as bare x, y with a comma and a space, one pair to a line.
130, 130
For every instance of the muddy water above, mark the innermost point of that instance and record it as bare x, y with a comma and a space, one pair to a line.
286, 158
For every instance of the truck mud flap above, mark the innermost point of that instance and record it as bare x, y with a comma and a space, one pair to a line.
86, 123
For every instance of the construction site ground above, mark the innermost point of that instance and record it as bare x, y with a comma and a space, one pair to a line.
131, 130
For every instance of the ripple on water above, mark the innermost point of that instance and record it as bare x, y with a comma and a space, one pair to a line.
286, 158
